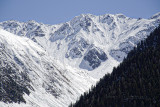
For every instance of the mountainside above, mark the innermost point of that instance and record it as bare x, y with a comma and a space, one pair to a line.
25, 68
52, 65
92, 43
134, 83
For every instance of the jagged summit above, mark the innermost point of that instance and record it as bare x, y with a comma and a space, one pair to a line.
115, 35
104, 31
155, 16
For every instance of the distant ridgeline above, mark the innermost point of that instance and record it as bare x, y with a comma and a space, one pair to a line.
135, 82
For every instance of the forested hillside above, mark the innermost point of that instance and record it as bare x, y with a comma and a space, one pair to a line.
135, 82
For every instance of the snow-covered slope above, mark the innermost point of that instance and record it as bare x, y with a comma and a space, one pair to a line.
48, 81
70, 56
91, 43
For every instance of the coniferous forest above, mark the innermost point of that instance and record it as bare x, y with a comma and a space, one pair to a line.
134, 83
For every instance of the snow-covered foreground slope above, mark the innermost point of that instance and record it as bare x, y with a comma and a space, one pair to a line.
91, 43
62, 61
50, 83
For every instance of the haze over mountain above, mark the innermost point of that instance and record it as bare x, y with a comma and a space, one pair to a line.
58, 63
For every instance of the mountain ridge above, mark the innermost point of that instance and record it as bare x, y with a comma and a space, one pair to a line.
77, 53
115, 35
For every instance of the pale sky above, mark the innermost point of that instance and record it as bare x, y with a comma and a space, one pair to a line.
59, 11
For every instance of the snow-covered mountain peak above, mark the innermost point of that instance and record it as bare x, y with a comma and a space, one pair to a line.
155, 16
31, 21
120, 15
86, 15
64, 60
87, 36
